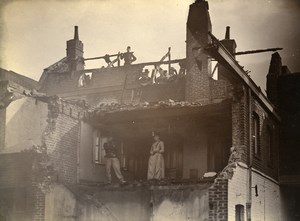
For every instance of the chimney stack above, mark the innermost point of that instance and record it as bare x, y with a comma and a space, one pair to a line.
75, 52
76, 33
227, 34
198, 64
275, 70
230, 45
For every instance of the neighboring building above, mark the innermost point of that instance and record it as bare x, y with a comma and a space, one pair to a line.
284, 90
222, 138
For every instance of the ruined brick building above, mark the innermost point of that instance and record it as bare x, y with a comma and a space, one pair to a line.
231, 152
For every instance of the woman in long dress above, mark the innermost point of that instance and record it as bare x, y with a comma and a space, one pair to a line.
156, 166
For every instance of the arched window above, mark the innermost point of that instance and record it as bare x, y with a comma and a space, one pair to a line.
239, 212
255, 134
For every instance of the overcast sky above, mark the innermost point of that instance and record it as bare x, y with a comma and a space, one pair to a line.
34, 33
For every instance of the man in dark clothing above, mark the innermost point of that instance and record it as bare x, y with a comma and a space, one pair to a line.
128, 57
112, 161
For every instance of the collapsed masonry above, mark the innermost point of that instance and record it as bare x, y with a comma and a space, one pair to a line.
53, 164
221, 137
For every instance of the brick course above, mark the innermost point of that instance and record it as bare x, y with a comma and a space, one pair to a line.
240, 122
218, 200
62, 139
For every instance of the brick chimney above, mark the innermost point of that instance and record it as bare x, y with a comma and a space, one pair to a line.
230, 45
275, 70
75, 52
198, 63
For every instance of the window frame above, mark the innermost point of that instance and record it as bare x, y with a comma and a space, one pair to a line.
84, 79
98, 150
255, 135
239, 212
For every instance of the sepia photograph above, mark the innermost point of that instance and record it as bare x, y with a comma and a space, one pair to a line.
162, 110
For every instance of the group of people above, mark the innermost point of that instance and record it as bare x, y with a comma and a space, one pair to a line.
158, 74
161, 76
156, 166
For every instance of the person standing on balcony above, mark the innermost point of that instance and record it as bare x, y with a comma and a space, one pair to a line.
128, 57
112, 160
156, 165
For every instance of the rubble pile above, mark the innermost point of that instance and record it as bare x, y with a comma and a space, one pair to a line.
119, 107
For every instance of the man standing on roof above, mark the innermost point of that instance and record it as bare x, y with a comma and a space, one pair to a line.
128, 57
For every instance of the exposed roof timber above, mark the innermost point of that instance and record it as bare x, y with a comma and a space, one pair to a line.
257, 51
102, 57
223, 56
140, 64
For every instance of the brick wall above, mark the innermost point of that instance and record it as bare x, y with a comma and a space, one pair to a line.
38, 204
103, 80
107, 86
107, 97
241, 130
197, 78
266, 122
218, 200
174, 91
219, 89
198, 64
240, 126
237, 192
62, 139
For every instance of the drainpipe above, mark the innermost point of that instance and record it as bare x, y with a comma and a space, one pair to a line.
250, 159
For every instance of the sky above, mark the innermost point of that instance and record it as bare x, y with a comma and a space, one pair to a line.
34, 32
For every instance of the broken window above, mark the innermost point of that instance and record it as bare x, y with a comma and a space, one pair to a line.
84, 80
214, 73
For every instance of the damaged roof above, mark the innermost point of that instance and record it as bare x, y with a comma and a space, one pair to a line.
60, 66
22, 80
123, 112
